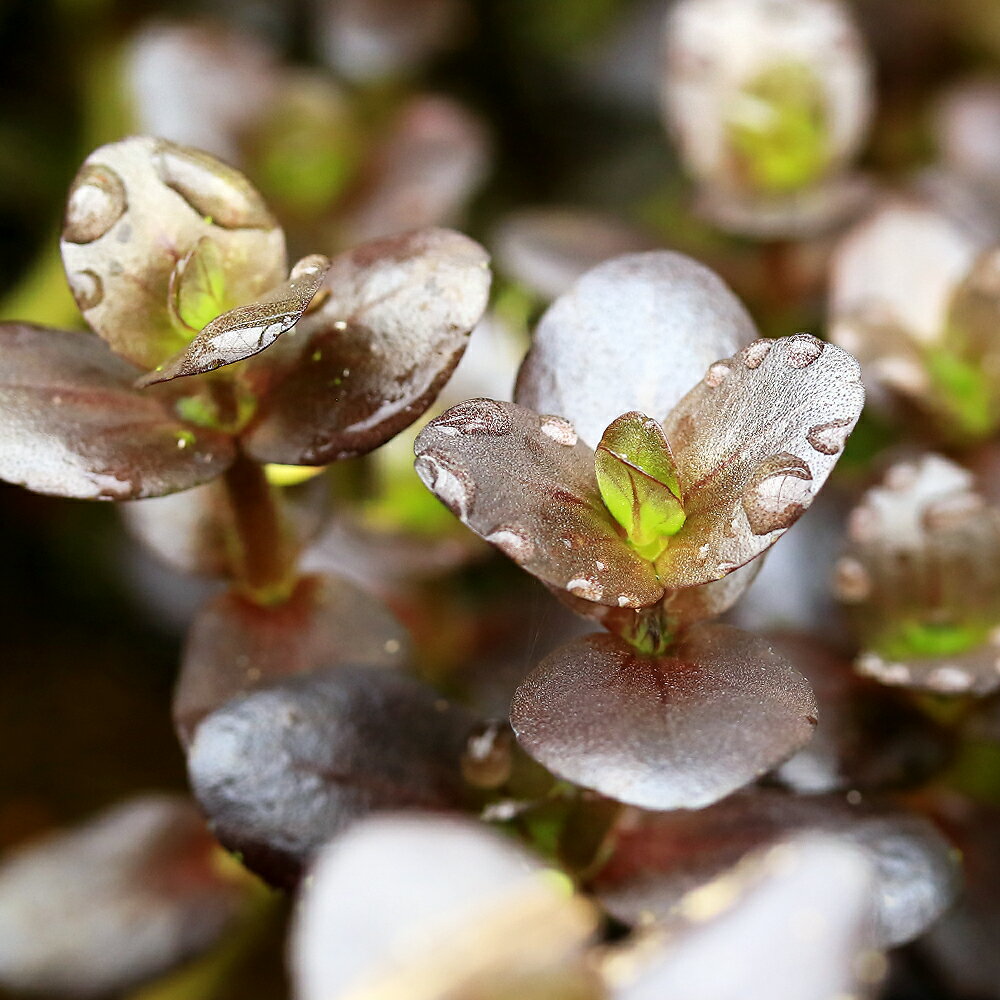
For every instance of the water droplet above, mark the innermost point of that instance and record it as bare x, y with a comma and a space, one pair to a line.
588, 589
96, 202
717, 374
803, 350
476, 416
872, 665
87, 289
755, 353
851, 581
512, 543
829, 438
449, 482
777, 493
949, 678
561, 431
212, 189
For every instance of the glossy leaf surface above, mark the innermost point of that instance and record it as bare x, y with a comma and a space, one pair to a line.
236, 645
72, 425
248, 329
753, 443
421, 907
94, 910
283, 768
393, 325
663, 856
678, 731
135, 210
526, 484
635, 333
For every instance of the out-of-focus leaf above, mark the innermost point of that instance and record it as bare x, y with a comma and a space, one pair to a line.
678, 731
280, 770
635, 333
370, 40
420, 908
135, 210
753, 442
922, 576
394, 323
248, 329
71, 423
867, 738
97, 909
526, 484
660, 857
236, 645
790, 923
434, 157
547, 249
638, 482
200, 83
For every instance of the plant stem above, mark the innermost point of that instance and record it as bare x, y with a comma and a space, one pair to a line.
263, 552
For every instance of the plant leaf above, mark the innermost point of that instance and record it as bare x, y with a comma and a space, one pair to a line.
663, 856
378, 350
526, 484
236, 645
283, 768
678, 731
638, 482
753, 443
635, 333
246, 330
66, 900
136, 208
503, 925
72, 425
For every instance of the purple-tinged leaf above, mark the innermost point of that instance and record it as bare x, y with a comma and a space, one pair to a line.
236, 645
753, 442
677, 731
660, 857
281, 769
425, 907
136, 209
97, 909
526, 484
72, 425
424, 172
248, 329
393, 325
635, 333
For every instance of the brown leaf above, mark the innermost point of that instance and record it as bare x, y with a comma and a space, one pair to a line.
71, 423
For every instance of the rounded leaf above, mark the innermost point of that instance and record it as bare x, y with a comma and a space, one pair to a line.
72, 425
527, 485
635, 333
753, 442
421, 907
661, 857
547, 249
126, 896
671, 732
236, 645
280, 770
136, 208
743, 935
394, 322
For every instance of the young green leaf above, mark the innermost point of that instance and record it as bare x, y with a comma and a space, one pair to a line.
638, 482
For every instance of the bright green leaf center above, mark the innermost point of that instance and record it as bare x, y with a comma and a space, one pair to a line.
920, 639
778, 131
198, 288
638, 482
